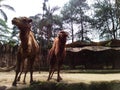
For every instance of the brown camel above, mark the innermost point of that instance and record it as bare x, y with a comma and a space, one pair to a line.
57, 54
28, 49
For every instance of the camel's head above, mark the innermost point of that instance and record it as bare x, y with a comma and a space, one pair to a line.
62, 35
22, 22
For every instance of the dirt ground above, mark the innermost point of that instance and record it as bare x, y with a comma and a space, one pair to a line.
6, 78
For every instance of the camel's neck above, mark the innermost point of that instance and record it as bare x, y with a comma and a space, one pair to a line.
24, 37
62, 44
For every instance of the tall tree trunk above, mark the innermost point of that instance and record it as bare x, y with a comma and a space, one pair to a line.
72, 31
49, 31
82, 28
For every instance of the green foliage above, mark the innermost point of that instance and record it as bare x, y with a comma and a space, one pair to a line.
4, 6
106, 19
45, 28
80, 67
15, 32
3, 25
74, 14
4, 29
65, 67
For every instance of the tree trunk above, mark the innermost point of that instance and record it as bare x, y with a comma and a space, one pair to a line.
72, 32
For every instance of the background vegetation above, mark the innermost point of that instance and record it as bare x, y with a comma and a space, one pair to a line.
78, 17
82, 20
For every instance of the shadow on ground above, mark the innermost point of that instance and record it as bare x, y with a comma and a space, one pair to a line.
3, 87
113, 85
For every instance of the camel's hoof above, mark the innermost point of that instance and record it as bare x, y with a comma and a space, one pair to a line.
31, 82
13, 84
48, 79
18, 79
59, 79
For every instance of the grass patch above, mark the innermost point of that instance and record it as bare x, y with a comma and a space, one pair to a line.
113, 85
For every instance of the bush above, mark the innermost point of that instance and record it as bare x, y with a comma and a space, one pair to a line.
65, 67
80, 67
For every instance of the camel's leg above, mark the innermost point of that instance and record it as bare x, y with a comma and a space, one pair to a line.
18, 79
31, 69
39, 62
50, 71
58, 74
53, 70
58, 70
59, 77
26, 67
52, 59
24, 78
17, 70
22, 67
15, 80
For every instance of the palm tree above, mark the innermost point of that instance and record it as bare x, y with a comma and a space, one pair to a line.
4, 29
4, 6
46, 24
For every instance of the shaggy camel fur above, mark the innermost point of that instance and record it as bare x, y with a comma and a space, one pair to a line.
57, 54
28, 49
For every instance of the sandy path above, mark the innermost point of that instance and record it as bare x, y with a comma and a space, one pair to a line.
6, 78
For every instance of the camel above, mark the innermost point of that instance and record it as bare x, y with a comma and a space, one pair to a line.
28, 49
57, 54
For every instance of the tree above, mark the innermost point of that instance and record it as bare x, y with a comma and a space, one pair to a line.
14, 35
4, 6
107, 19
69, 16
48, 21
74, 13
57, 24
4, 29
35, 26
